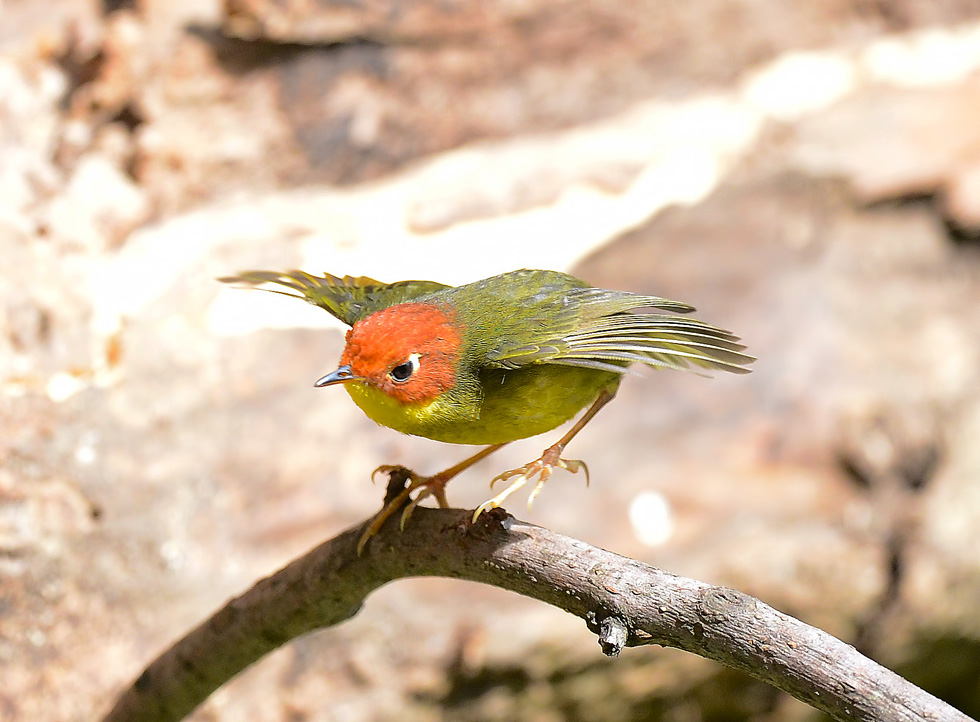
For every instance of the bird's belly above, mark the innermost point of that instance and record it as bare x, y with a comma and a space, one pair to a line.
515, 404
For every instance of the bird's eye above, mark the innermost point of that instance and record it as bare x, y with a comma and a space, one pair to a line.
403, 372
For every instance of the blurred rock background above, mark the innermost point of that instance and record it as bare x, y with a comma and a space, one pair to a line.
807, 174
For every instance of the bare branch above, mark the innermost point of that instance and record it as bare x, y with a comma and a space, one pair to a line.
625, 602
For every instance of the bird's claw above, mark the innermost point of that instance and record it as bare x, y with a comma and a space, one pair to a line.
389, 468
541, 468
429, 488
434, 486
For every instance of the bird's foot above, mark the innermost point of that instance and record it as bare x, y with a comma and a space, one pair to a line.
541, 468
434, 486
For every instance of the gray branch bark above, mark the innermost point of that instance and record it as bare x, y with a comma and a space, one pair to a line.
625, 602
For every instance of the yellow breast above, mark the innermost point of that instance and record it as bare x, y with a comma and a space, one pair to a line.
507, 405
387, 411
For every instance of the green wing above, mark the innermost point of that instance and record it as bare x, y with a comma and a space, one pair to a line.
349, 299
596, 328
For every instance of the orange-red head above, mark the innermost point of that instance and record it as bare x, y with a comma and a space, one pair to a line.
409, 352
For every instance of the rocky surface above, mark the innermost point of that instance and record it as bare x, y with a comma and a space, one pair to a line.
802, 173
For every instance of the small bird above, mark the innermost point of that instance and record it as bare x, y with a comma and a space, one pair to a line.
501, 359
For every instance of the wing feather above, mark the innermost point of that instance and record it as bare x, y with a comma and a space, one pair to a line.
705, 351
596, 328
348, 299
533, 317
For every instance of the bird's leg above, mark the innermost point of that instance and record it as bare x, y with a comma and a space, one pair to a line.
434, 486
543, 467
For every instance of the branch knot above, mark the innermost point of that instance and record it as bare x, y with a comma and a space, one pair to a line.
719, 604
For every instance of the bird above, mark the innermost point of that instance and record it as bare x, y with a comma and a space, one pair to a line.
497, 360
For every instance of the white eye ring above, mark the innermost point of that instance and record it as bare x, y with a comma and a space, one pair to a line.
404, 371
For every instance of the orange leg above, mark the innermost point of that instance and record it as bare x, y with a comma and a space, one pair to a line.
434, 485
543, 467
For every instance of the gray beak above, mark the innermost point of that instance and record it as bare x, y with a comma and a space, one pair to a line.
339, 376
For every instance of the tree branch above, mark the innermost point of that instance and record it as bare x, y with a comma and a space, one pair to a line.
625, 602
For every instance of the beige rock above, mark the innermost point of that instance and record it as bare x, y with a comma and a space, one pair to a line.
99, 208
961, 198
156, 458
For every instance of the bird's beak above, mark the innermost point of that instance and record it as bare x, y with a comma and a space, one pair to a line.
339, 376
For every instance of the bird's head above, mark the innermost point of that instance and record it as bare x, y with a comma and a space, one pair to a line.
409, 352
